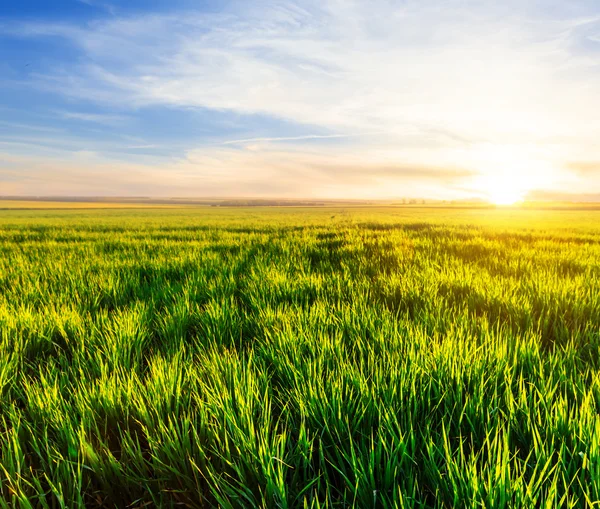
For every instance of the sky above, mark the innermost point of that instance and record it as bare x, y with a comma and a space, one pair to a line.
438, 99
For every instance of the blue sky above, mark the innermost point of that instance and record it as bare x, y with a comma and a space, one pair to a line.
332, 98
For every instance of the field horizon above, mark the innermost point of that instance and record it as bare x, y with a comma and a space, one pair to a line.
32, 202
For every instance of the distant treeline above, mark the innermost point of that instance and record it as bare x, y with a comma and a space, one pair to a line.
268, 203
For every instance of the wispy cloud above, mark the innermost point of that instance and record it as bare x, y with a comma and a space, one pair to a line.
543, 195
100, 118
297, 138
585, 167
438, 82
231, 172
30, 127
480, 70
102, 5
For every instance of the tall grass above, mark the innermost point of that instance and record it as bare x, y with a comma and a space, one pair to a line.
299, 358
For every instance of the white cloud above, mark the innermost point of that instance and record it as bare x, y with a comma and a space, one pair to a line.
101, 5
296, 138
442, 80
29, 127
100, 118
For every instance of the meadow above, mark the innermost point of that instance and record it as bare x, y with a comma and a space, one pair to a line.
298, 357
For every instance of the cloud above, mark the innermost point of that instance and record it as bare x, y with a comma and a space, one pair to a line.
411, 172
585, 167
465, 71
438, 82
545, 195
294, 138
101, 5
100, 118
30, 127
273, 171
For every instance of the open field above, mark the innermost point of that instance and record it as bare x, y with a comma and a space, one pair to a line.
329, 357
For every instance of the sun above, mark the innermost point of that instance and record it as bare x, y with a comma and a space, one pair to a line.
505, 194
503, 188
509, 173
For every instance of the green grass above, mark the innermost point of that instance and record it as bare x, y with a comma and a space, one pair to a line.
299, 358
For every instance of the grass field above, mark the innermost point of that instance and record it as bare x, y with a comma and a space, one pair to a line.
208, 357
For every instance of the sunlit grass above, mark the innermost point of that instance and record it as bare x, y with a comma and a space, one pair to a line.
299, 358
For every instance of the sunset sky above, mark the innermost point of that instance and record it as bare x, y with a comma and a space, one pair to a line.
440, 99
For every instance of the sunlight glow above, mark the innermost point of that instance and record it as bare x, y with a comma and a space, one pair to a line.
509, 172
505, 194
